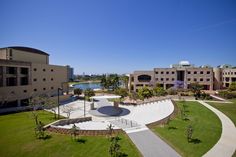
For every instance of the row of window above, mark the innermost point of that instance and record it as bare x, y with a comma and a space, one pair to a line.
196, 72
13, 70
44, 79
227, 79
229, 73
201, 79
35, 69
166, 79
35, 90
189, 72
189, 79
167, 72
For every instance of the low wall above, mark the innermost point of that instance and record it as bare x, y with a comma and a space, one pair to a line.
164, 120
71, 121
84, 132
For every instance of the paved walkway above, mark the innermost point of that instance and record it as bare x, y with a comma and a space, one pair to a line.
150, 145
226, 145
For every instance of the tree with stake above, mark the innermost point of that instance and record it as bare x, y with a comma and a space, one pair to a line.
189, 133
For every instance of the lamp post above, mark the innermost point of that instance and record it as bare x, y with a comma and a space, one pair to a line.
84, 104
58, 111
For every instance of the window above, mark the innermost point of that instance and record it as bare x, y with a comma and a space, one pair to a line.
44, 79
10, 53
162, 72
167, 72
189, 79
52, 87
234, 73
35, 69
35, 89
44, 88
51, 79
195, 72
144, 78
156, 79
195, 80
208, 80
44, 69
156, 72
201, 72
25, 91
167, 79
161, 79
35, 79
189, 72
173, 72
208, 72
227, 79
173, 79
51, 70
11, 81
11, 70
24, 81
201, 79
24, 71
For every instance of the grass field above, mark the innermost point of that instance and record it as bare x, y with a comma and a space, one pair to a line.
228, 109
17, 139
206, 130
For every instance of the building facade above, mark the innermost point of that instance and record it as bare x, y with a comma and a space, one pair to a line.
182, 75
26, 72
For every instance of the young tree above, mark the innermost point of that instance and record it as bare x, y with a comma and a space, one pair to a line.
189, 133
110, 130
52, 105
88, 93
114, 148
196, 89
67, 109
74, 132
39, 130
125, 80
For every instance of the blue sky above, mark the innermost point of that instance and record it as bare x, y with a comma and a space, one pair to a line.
120, 36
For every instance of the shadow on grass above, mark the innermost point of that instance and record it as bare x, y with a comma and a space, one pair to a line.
81, 140
45, 137
172, 128
195, 141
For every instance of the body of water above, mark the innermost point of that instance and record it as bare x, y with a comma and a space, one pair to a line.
83, 86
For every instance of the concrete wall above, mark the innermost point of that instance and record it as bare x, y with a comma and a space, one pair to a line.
29, 57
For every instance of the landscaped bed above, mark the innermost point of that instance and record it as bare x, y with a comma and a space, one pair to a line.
206, 130
17, 138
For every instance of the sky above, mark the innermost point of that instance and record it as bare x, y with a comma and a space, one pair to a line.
121, 36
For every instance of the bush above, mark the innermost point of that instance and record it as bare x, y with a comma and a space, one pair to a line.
227, 94
232, 86
172, 91
78, 91
159, 91
122, 92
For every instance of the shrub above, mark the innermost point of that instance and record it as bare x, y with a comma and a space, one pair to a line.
227, 94
159, 91
144, 93
232, 86
122, 92
172, 91
78, 91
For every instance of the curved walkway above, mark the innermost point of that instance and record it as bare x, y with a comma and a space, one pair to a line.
226, 145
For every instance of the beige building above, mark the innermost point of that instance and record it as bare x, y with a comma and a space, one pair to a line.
26, 72
182, 75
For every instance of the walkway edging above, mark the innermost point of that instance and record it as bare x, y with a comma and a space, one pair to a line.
225, 147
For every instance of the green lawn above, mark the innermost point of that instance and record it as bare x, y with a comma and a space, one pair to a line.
206, 130
228, 109
17, 139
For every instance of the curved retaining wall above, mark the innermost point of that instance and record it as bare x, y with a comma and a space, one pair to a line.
164, 120
84, 132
